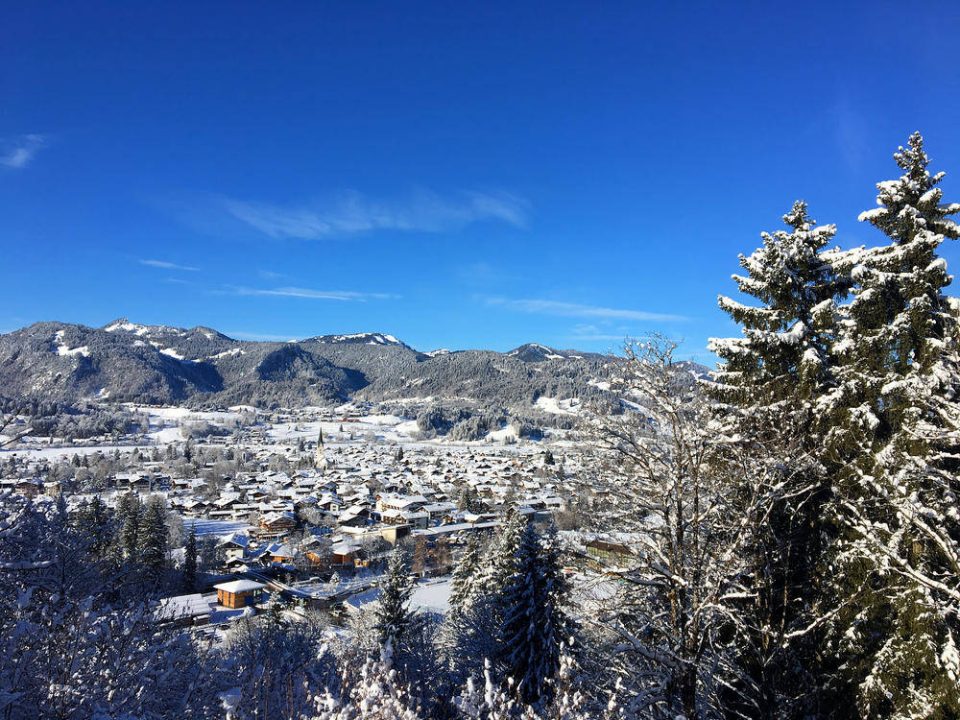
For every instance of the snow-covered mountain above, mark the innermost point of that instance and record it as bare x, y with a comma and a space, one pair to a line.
367, 338
127, 361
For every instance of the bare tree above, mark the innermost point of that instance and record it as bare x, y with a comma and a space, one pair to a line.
671, 624
9, 419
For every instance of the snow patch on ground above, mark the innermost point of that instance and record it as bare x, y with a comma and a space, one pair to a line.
558, 407
226, 353
432, 595
166, 436
65, 350
503, 435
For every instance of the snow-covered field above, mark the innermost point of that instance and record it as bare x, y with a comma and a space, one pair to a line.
559, 407
215, 527
433, 595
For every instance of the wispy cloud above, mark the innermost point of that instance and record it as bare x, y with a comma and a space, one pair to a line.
310, 294
353, 213
17, 152
164, 265
593, 333
568, 309
851, 133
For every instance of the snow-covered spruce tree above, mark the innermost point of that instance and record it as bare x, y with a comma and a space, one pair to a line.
152, 540
128, 515
393, 615
672, 623
190, 555
94, 519
781, 365
501, 562
471, 632
464, 575
898, 561
534, 626
769, 387
68, 649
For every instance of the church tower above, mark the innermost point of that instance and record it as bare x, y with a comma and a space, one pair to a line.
320, 459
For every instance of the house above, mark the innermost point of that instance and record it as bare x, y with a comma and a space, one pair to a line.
355, 516
239, 593
235, 547
440, 510
183, 610
607, 553
394, 501
29, 488
281, 553
345, 553
277, 523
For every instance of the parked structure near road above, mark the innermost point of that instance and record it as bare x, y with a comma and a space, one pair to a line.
239, 593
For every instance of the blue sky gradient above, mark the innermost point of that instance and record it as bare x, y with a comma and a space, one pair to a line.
458, 175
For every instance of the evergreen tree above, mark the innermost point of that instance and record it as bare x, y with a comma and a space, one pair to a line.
128, 515
464, 576
393, 615
532, 633
898, 448
476, 621
782, 362
153, 537
190, 561
770, 385
501, 562
94, 520
468, 501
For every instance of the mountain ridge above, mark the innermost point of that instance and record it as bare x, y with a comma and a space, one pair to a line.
125, 361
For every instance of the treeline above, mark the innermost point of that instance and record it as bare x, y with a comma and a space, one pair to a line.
798, 550
80, 634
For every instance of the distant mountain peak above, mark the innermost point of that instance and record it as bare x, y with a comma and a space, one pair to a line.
535, 352
364, 338
124, 325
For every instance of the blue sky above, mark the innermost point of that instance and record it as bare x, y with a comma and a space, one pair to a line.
460, 175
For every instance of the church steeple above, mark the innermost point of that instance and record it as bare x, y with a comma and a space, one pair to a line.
320, 459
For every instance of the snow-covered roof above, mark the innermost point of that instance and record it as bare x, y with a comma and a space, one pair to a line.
238, 586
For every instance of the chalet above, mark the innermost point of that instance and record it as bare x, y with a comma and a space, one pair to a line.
134, 481
222, 507
355, 516
281, 553
277, 523
393, 501
318, 554
608, 554
239, 593
193, 507
29, 488
183, 610
235, 547
346, 552
440, 510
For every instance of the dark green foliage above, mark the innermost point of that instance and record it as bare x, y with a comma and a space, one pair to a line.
393, 615
152, 540
534, 625
191, 554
